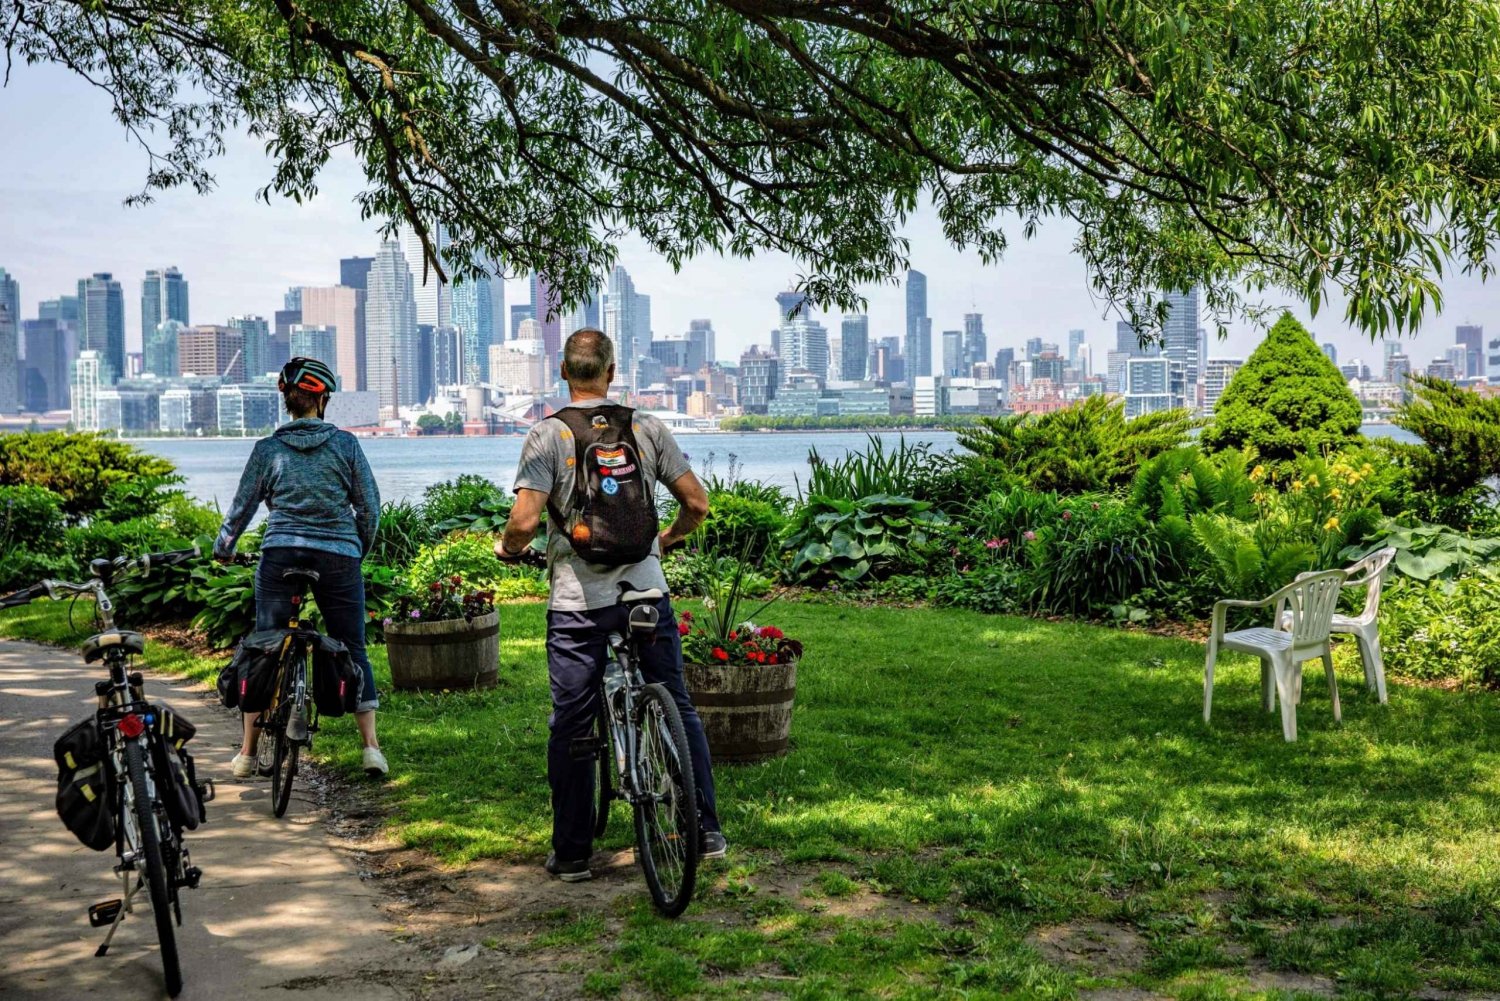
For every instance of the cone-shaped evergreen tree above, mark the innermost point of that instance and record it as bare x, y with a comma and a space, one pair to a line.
1288, 400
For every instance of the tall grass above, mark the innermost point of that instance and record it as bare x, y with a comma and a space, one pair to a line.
878, 469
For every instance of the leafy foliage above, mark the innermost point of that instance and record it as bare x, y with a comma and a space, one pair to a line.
1094, 553
403, 530
739, 526
831, 537
1288, 400
31, 518
469, 503
80, 468
725, 634
226, 599
1454, 466
1426, 552
441, 601
876, 470
1085, 447
472, 558
1445, 628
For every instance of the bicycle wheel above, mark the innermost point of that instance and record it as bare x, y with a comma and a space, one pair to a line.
265, 744
666, 807
283, 771
156, 870
604, 792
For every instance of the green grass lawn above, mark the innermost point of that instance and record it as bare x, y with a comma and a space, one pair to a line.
1008, 775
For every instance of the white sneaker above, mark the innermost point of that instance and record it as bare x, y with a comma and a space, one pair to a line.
243, 765
375, 765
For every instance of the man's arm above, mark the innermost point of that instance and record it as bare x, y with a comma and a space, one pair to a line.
692, 508
520, 528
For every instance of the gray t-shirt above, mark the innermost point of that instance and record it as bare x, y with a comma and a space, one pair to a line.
547, 465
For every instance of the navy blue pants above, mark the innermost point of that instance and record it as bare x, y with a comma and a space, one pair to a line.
576, 652
339, 592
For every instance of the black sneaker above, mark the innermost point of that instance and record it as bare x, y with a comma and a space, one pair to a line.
568, 872
711, 844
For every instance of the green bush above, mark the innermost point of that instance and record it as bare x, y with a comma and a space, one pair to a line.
874, 536
404, 529
1006, 515
876, 470
139, 497
21, 567
739, 527
469, 503
998, 586
226, 602
691, 574
472, 557
1444, 628
79, 467
107, 540
1426, 552
1286, 402
1098, 551
1453, 467
31, 537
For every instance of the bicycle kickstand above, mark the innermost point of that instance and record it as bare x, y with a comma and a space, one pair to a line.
124, 908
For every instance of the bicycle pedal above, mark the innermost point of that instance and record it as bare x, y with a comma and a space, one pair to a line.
206, 790
585, 748
191, 877
104, 913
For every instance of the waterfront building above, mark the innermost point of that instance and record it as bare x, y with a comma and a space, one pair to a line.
760, 378
976, 345
392, 348
354, 272
1217, 374
918, 347
344, 310
953, 353
627, 321
474, 322
101, 322
10, 344
1471, 337
519, 367
1181, 339
700, 334
164, 296
1442, 368
128, 410
247, 409
854, 346
429, 291
257, 334
50, 346
804, 346
316, 342
1397, 368
1148, 385
211, 350
90, 375
161, 348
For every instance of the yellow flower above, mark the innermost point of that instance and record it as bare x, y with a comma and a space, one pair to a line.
1312, 480
1335, 493
1367, 469
1258, 473
1296, 486
1330, 525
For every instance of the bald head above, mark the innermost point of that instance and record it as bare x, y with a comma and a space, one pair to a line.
588, 357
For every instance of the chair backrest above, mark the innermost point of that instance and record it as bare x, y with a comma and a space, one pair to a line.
1310, 602
1369, 573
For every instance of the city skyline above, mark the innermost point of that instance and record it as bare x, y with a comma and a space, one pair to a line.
67, 222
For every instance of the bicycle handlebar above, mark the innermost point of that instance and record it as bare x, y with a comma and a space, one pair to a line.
144, 563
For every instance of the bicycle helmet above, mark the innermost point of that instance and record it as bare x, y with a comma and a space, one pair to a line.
309, 374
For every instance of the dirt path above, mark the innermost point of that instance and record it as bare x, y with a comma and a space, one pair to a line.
281, 910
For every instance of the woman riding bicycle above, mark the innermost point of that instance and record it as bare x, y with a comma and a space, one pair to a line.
324, 508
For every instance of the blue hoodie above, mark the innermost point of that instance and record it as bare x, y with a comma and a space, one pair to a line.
319, 489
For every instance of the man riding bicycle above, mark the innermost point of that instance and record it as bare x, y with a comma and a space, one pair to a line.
594, 467
325, 508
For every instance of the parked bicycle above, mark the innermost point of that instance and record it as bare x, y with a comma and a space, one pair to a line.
125, 779
644, 760
272, 668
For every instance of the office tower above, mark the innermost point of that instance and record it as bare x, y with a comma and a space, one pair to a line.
1217, 374
976, 344
292, 298
50, 347
760, 374
431, 293
1083, 361
1458, 357
315, 342
447, 359
1471, 337
160, 348
89, 376
627, 321
474, 321
210, 350
101, 322
1180, 338
918, 349
953, 353
246, 409
164, 296
701, 334
804, 347
10, 343
280, 352
257, 334
392, 351
515, 370
355, 271
1397, 368
1148, 385
497, 334
1004, 359
1049, 365
345, 310
1034, 348
854, 333
789, 303
519, 314
63, 309
1075, 341
426, 372
546, 309
1331, 352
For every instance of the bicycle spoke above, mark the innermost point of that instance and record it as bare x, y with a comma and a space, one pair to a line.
658, 760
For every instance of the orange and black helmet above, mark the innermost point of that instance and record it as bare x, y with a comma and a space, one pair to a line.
309, 374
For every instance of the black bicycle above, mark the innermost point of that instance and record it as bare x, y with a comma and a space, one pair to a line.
128, 734
643, 757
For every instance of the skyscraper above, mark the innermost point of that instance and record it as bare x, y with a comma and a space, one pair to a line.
1471, 336
434, 307
44, 375
854, 333
918, 326
160, 348
474, 321
547, 311
10, 343
1180, 339
88, 377
316, 342
701, 335
953, 353
257, 334
344, 310
354, 271
164, 296
101, 322
976, 345
627, 321
804, 346
1331, 352
789, 302
392, 352
211, 350
292, 299
1004, 359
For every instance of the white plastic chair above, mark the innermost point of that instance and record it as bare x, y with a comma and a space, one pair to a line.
1304, 611
1368, 573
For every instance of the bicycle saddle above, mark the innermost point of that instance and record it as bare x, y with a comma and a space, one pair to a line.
630, 597
94, 646
306, 576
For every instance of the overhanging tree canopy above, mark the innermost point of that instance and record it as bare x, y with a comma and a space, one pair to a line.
1295, 144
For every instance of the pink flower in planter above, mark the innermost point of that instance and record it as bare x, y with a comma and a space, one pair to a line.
1029, 535
1067, 516
992, 544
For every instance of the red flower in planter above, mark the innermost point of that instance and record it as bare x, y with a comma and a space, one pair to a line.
683, 629
772, 633
720, 653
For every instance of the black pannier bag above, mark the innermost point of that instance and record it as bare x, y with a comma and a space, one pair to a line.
253, 681
176, 778
84, 789
611, 520
336, 682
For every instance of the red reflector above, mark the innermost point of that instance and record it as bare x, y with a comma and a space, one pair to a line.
130, 726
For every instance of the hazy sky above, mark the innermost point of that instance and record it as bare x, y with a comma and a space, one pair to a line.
68, 167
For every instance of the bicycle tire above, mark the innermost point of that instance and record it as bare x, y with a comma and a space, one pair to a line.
604, 792
680, 843
283, 772
156, 869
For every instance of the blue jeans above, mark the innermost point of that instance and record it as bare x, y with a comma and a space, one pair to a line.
339, 592
576, 652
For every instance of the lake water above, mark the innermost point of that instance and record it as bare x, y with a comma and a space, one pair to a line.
404, 467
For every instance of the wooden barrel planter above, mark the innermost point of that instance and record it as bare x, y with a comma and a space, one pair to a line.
746, 709
452, 653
